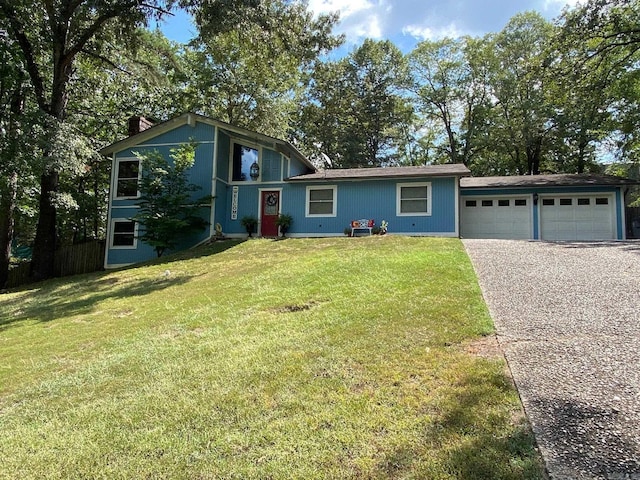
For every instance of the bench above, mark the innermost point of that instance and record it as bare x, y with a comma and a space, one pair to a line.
361, 225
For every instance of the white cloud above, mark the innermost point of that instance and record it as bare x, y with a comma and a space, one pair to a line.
427, 33
404, 20
346, 8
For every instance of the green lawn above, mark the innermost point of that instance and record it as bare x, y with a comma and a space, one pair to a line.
296, 359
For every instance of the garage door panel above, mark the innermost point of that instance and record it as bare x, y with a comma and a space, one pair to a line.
495, 217
577, 218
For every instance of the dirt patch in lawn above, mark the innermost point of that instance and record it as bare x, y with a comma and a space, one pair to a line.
485, 347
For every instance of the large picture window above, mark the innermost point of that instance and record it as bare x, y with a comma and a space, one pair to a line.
245, 163
321, 201
123, 234
128, 177
413, 199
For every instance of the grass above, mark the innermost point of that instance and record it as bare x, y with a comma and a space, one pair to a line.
296, 359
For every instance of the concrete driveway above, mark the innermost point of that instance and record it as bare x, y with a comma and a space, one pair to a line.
567, 317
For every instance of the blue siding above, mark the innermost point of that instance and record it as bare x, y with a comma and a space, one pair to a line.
296, 167
271, 166
223, 156
374, 199
182, 134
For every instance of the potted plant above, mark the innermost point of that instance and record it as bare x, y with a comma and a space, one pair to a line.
249, 223
347, 231
284, 221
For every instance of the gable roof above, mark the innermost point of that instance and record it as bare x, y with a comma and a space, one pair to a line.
446, 170
555, 180
281, 146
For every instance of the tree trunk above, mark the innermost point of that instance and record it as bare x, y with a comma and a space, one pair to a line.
8, 195
44, 246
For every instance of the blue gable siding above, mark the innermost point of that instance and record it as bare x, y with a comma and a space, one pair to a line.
271, 170
296, 167
374, 199
223, 154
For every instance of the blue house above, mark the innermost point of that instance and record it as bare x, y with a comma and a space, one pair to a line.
250, 174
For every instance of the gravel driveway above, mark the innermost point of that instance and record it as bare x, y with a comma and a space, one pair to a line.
567, 317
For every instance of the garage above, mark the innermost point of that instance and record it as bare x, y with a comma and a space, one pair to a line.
577, 217
507, 217
563, 207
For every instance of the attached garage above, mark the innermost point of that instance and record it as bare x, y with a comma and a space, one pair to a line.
496, 217
544, 207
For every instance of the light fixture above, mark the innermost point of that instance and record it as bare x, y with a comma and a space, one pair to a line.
254, 171
535, 198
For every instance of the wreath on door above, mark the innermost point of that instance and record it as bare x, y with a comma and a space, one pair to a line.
272, 199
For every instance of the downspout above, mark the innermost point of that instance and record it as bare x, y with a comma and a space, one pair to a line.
623, 212
457, 207
214, 184
110, 197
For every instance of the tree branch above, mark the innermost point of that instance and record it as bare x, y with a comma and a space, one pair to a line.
18, 29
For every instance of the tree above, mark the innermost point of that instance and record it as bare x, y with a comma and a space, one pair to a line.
252, 76
598, 47
356, 109
451, 92
520, 123
17, 144
51, 37
168, 213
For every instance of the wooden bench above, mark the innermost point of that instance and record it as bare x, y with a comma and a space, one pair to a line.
361, 225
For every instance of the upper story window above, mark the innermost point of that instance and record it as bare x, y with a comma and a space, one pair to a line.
128, 177
245, 166
321, 201
413, 199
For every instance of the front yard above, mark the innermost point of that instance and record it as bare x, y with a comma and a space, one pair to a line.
297, 359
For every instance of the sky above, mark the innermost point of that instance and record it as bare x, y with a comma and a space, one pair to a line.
406, 22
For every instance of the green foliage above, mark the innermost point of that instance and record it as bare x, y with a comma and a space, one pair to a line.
167, 211
284, 221
251, 75
355, 114
249, 222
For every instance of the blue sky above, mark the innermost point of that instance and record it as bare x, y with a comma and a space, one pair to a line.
406, 22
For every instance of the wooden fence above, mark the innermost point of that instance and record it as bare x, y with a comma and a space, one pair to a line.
72, 260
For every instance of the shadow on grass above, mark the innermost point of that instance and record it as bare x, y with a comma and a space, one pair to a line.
476, 443
58, 298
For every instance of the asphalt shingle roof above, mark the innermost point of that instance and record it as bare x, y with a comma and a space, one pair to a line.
447, 170
555, 180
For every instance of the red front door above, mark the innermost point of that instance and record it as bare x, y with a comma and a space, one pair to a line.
270, 210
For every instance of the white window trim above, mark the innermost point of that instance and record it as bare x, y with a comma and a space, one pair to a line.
116, 178
399, 198
334, 188
113, 232
242, 143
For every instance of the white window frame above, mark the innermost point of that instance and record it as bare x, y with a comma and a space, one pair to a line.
307, 202
116, 178
399, 187
113, 234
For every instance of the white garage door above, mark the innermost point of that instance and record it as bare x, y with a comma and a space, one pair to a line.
573, 217
496, 217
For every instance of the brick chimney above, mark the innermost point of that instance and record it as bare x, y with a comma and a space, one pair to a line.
138, 124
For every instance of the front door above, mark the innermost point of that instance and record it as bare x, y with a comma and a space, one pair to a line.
270, 202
